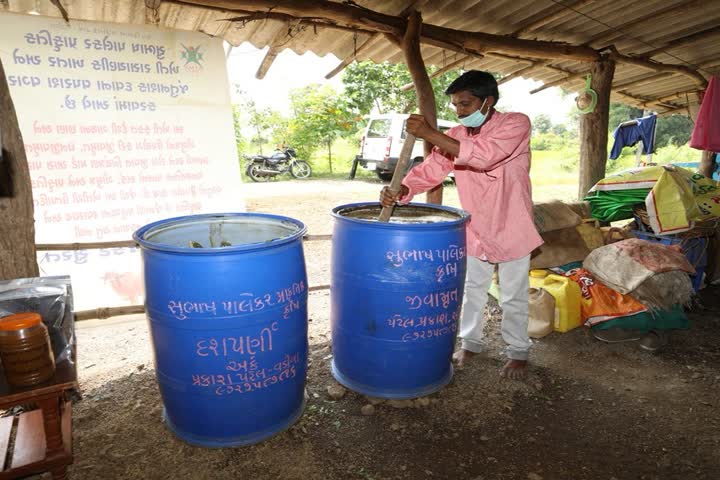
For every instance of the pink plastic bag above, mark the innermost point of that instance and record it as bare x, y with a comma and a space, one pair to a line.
706, 134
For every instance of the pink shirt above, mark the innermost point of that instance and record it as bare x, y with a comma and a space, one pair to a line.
492, 173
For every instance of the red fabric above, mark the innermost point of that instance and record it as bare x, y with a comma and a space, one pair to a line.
706, 134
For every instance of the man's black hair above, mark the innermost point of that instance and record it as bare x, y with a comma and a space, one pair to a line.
480, 84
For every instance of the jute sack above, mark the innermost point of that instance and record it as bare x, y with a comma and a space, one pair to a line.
555, 215
560, 247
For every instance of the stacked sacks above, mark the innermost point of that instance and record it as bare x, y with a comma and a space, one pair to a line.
554, 300
654, 274
635, 290
567, 237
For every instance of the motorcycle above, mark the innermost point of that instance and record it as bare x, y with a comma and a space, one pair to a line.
261, 168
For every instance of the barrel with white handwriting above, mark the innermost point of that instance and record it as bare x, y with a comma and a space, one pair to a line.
226, 301
396, 293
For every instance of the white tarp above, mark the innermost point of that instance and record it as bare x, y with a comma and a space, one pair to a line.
123, 125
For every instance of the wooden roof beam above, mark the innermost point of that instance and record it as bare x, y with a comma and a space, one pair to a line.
634, 100
642, 81
659, 67
674, 96
570, 77
351, 58
267, 61
523, 71
679, 110
440, 71
643, 102
352, 16
249, 16
64, 12
365, 45
276, 46
657, 76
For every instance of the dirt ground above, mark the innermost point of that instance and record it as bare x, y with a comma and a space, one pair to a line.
588, 410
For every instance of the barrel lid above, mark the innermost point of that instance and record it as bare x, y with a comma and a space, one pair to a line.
215, 233
411, 216
18, 321
538, 273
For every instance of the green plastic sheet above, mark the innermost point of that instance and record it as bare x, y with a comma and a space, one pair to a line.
610, 206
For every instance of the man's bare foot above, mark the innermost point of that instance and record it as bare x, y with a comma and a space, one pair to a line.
514, 369
461, 356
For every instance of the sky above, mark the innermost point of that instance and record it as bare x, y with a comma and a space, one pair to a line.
290, 71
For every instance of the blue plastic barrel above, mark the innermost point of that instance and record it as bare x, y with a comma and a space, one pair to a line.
396, 293
228, 323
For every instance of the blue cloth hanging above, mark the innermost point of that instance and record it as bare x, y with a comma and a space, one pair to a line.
628, 135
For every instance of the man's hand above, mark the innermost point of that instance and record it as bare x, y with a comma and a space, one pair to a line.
388, 199
418, 126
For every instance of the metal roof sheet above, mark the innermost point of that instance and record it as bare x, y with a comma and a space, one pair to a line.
633, 27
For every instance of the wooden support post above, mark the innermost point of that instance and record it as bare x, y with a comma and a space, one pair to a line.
17, 242
267, 61
426, 97
276, 46
707, 164
594, 128
440, 71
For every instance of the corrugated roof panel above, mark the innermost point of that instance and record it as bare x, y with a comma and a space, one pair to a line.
586, 24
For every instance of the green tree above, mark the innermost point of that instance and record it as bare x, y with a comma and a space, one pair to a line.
369, 85
280, 136
264, 123
240, 142
542, 123
559, 129
320, 116
670, 130
619, 112
673, 130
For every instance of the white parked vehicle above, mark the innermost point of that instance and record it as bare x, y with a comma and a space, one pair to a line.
381, 144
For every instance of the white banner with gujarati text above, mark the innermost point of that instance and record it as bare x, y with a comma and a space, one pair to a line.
123, 125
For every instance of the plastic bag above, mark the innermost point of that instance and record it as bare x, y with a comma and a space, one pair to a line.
679, 198
52, 298
600, 303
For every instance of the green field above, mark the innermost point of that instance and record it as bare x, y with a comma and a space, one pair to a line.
554, 173
549, 176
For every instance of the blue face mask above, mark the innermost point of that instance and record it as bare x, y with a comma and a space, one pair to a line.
476, 118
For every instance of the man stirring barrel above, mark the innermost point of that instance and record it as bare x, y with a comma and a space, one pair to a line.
490, 155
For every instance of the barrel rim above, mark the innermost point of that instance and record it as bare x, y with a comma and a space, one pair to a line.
464, 216
139, 234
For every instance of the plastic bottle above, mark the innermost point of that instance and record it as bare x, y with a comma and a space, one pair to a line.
566, 294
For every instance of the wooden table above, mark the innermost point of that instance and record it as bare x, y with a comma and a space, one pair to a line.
42, 437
